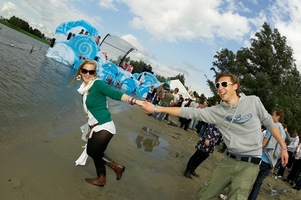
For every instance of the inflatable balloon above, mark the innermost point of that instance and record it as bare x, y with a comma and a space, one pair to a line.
76, 41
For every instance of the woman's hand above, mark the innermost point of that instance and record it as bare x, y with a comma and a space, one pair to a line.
148, 107
139, 102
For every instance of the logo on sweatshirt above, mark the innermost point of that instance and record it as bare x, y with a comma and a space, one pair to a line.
239, 119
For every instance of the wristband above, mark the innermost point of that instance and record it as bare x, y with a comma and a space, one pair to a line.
284, 149
155, 108
133, 101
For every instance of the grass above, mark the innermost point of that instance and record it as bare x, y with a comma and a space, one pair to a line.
4, 22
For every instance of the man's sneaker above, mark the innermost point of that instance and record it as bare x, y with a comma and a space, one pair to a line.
223, 197
292, 183
295, 188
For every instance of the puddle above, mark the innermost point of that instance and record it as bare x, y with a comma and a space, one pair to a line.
148, 141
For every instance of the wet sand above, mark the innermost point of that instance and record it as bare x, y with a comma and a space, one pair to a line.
154, 153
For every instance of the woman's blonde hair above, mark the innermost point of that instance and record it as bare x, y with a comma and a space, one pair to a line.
80, 68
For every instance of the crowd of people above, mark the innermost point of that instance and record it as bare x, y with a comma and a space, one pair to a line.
239, 118
249, 156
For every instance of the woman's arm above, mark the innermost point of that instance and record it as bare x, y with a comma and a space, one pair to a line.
131, 100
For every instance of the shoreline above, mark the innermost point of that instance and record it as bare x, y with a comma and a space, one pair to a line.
44, 168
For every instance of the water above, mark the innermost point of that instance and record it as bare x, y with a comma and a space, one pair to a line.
38, 99
36, 96
148, 141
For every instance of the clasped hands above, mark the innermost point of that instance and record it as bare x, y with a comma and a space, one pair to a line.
146, 106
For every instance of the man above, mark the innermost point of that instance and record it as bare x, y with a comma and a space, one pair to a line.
174, 102
270, 153
239, 118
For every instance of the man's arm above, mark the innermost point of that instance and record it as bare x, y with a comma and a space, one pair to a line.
265, 141
284, 155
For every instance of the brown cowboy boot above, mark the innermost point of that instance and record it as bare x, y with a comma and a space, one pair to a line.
99, 181
118, 169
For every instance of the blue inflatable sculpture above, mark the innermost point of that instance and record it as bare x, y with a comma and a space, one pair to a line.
77, 40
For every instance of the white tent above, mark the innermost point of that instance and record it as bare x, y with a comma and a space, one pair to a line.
182, 90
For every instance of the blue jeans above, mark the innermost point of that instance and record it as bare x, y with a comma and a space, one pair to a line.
264, 171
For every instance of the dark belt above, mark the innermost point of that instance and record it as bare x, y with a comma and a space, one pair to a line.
245, 159
93, 125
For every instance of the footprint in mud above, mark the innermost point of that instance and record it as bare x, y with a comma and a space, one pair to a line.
15, 183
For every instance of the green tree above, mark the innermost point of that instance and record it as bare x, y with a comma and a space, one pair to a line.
160, 78
181, 78
20, 23
267, 69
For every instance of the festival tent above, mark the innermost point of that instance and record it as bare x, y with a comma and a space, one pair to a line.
182, 90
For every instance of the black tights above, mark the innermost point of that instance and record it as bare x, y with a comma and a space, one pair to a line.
96, 147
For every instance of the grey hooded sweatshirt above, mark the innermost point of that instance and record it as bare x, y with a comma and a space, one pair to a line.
240, 124
272, 148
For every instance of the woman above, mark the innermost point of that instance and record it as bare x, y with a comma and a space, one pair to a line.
102, 128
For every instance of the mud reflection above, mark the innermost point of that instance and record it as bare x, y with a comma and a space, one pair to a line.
147, 140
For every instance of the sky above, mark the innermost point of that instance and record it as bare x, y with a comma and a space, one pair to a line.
174, 37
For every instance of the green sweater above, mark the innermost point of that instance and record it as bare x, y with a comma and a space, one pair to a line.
97, 100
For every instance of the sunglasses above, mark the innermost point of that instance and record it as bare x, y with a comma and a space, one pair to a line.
224, 84
85, 71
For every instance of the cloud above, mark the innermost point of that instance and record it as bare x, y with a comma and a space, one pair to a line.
7, 6
187, 20
286, 16
7, 9
108, 4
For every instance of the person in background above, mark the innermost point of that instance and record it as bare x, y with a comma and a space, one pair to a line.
94, 95
204, 148
82, 31
291, 150
297, 185
184, 122
174, 102
238, 117
270, 153
176, 97
151, 93
159, 98
200, 126
194, 104
97, 39
295, 171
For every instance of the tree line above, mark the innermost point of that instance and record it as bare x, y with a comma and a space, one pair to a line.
25, 26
